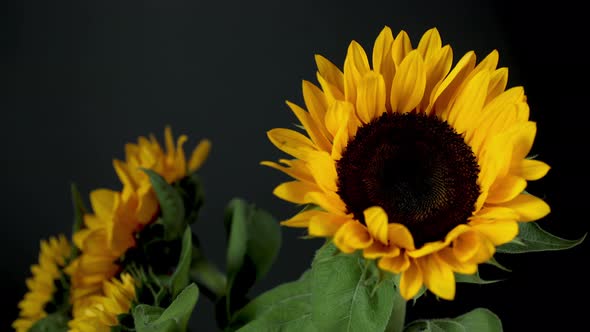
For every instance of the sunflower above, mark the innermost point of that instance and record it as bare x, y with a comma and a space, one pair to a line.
110, 230
420, 164
102, 310
42, 285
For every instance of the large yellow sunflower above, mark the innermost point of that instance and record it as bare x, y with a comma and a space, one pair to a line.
118, 215
42, 285
419, 164
102, 310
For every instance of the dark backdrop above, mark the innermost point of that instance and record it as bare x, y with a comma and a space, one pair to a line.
82, 78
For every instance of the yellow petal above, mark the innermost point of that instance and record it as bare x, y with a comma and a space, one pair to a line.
395, 264
102, 201
445, 92
411, 281
123, 173
531, 169
370, 102
400, 236
331, 92
407, 89
291, 142
498, 82
495, 212
456, 265
352, 235
337, 116
382, 50
316, 135
329, 71
326, 224
356, 65
316, 104
430, 43
466, 112
199, 155
295, 169
323, 169
505, 189
377, 249
437, 67
528, 207
301, 219
523, 142
465, 246
438, 276
376, 221
402, 45
499, 231
295, 191
330, 202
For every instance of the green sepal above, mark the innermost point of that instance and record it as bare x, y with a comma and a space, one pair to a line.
474, 279
345, 296
480, 320
55, 322
193, 196
532, 238
171, 206
79, 211
254, 240
285, 308
175, 318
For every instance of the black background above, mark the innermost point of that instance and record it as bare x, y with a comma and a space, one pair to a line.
84, 78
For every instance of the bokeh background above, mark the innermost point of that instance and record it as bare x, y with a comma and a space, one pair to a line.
82, 78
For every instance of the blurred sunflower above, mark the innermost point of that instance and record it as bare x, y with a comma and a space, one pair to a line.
110, 230
102, 310
44, 284
419, 164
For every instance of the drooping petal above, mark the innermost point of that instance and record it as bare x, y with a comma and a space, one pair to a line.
411, 281
438, 276
376, 221
352, 235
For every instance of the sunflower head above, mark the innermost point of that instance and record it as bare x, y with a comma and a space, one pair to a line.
43, 284
102, 310
418, 162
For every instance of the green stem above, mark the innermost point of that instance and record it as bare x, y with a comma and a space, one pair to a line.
398, 314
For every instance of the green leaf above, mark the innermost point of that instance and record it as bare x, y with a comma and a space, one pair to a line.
207, 276
342, 297
531, 238
254, 239
477, 320
55, 322
237, 228
171, 205
286, 303
180, 278
172, 319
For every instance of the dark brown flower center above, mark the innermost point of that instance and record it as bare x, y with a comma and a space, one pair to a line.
417, 168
